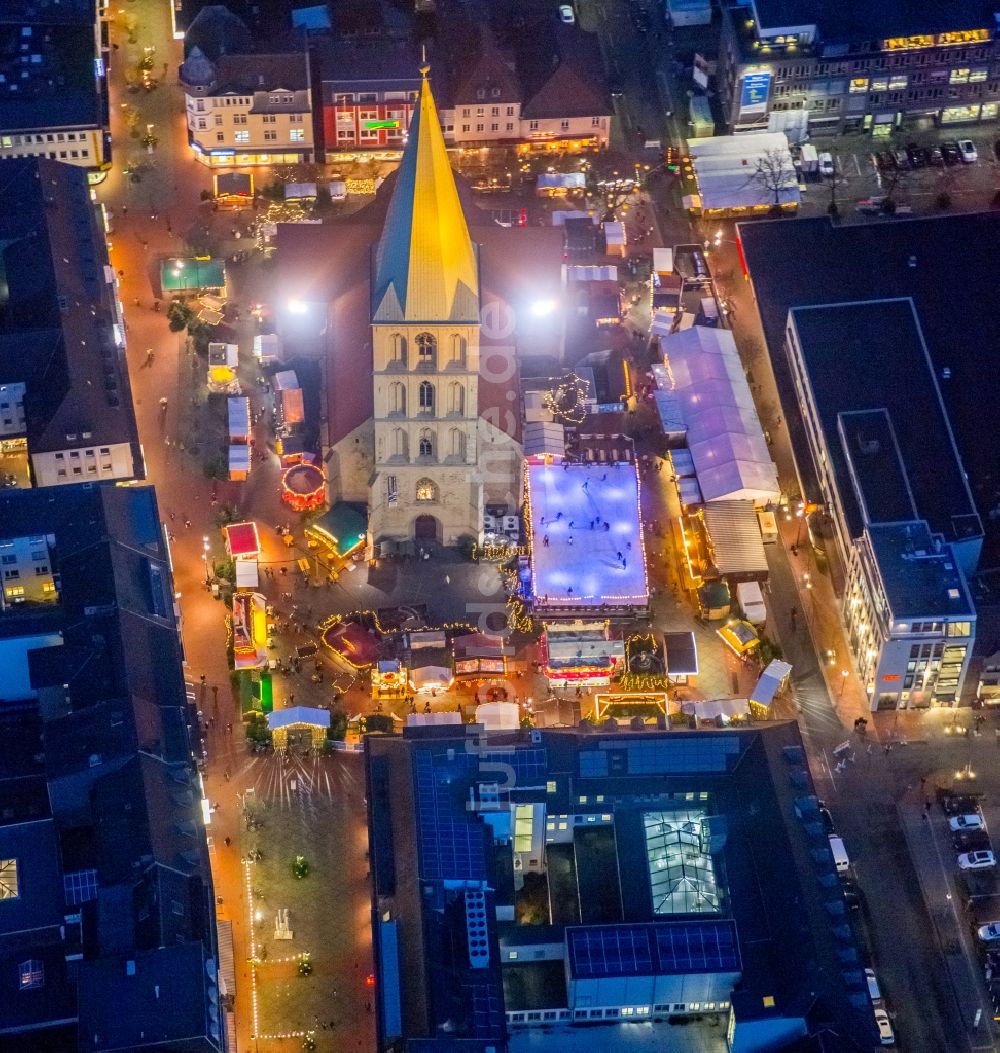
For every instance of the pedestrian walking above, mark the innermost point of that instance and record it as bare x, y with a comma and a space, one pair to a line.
569, 540
204, 679
187, 524
229, 729
172, 516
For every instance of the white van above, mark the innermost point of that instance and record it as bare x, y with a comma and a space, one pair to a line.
751, 601
841, 860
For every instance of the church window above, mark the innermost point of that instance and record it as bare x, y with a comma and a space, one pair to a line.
457, 441
458, 345
456, 398
397, 349
399, 443
397, 398
426, 396
426, 349
426, 490
426, 443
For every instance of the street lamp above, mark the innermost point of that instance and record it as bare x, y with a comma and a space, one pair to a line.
843, 682
204, 556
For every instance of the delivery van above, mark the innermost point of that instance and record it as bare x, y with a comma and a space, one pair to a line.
841, 860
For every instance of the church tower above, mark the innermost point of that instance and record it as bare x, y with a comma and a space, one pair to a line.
427, 483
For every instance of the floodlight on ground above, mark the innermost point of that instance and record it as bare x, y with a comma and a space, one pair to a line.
297, 307
541, 308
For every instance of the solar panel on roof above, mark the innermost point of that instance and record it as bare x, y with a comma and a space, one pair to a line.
653, 949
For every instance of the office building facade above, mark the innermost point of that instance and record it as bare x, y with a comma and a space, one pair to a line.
857, 67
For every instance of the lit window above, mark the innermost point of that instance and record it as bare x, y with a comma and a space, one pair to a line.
242, 137
426, 490
8, 872
297, 135
32, 974
550, 786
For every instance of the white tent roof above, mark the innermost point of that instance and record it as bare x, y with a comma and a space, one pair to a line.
769, 682
717, 707
724, 167
730, 453
246, 574
498, 716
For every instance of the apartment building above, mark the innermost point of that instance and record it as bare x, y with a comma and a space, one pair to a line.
54, 58
369, 93
66, 413
247, 110
107, 929
856, 66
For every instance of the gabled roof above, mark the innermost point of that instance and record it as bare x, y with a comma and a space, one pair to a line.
486, 76
246, 74
425, 264
557, 70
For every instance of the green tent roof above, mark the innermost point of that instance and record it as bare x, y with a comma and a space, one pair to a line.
187, 275
343, 527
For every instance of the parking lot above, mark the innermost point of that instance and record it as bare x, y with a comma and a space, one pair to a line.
967, 187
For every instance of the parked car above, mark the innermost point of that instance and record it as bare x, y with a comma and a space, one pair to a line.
996, 149
971, 841
969, 152
935, 156
566, 14
959, 804
885, 160
916, 155
874, 991
966, 822
871, 205
886, 1036
902, 159
826, 166
951, 152
990, 932
976, 861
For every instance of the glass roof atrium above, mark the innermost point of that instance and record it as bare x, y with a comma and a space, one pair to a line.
681, 872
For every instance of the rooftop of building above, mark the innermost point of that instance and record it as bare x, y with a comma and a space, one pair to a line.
59, 332
948, 267
216, 31
110, 726
757, 903
852, 21
47, 58
561, 72
920, 576
363, 65
869, 357
250, 74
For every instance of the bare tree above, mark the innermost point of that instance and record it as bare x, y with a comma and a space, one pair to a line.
774, 173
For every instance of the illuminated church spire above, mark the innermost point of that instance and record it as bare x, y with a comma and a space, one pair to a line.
425, 263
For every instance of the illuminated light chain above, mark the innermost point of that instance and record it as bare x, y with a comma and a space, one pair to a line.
641, 681
254, 1004
336, 619
566, 400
